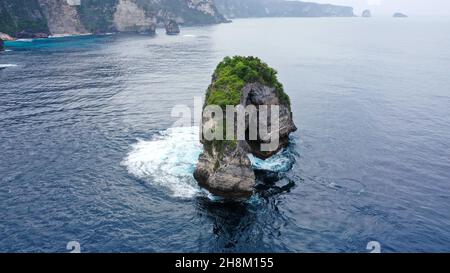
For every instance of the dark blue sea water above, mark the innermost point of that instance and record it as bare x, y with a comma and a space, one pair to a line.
86, 153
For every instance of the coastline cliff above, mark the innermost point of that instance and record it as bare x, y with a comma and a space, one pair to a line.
41, 18
53, 17
280, 8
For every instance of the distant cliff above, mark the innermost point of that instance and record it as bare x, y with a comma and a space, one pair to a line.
20, 15
280, 8
93, 16
43, 17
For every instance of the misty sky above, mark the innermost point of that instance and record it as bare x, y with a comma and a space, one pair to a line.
388, 7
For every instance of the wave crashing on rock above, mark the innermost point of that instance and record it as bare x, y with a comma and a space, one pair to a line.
169, 159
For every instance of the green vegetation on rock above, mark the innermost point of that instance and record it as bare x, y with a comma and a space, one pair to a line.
90, 12
229, 78
21, 15
232, 74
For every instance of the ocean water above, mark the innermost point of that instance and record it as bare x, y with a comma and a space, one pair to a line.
88, 152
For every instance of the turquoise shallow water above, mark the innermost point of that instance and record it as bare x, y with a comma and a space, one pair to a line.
87, 154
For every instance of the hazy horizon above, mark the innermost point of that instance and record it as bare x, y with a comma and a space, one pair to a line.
388, 7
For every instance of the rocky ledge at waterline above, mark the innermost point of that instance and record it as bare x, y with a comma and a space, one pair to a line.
224, 167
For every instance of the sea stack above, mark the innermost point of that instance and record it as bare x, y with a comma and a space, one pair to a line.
366, 13
172, 27
224, 167
2, 45
400, 15
152, 29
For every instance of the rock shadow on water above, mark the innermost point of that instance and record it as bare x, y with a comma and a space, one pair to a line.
232, 224
241, 226
272, 175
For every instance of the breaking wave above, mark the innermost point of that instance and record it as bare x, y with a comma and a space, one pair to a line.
25, 40
281, 162
168, 161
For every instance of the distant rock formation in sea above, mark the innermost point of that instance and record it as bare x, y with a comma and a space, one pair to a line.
366, 13
2, 45
54, 17
224, 167
280, 8
171, 27
400, 15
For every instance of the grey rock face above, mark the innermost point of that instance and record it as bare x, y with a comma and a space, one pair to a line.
229, 176
62, 18
6, 37
258, 94
228, 172
129, 17
172, 27
367, 13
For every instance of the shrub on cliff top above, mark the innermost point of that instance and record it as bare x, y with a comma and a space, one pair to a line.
232, 74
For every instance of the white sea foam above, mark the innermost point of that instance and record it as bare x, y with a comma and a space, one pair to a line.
189, 35
69, 35
59, 36
281, 162
7, 65
169, 159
